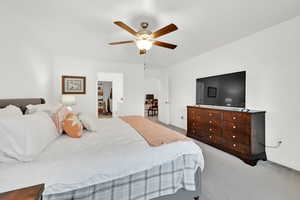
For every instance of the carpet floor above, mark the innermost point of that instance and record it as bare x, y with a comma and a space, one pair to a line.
226, 177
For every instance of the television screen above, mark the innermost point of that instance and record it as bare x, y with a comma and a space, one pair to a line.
222, 90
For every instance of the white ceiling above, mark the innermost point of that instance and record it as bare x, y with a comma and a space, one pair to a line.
81, 28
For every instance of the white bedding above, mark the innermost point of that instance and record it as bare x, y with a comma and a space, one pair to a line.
114, 151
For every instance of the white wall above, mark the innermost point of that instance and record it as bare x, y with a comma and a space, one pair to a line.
25, 66
272, 61
133, 83
152, 82
152, 86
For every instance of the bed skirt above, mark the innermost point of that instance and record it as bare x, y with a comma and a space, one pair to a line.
180, 175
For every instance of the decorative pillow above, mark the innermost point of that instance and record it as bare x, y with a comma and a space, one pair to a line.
73, 126
11, 111
24, 138
58, 117
88, 122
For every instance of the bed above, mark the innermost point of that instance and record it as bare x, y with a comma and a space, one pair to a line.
113, 163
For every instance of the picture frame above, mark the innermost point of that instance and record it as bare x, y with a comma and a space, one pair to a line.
73, 85
212, 92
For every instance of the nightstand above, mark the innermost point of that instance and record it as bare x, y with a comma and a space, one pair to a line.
28, 193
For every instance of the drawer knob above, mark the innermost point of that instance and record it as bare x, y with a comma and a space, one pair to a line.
233, 117
210, 114
210, 137
234, 145
210, 129
233, 136
234, 127
210, 122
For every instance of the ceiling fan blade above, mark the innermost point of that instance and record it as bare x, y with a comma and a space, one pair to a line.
165, 30
126, 27
123, 42
143, 51
164, 44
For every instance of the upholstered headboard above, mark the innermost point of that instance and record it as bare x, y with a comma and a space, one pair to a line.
21, 103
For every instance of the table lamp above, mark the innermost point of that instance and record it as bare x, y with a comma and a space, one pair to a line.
68, 101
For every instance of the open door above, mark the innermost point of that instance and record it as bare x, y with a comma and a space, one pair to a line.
105, 99
164, 104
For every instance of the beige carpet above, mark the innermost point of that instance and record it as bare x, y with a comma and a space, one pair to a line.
225, 177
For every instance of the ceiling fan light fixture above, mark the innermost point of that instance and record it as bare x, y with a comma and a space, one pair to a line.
144, 44
144, 38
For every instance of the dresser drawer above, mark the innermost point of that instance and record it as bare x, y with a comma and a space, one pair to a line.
193, 123
213, 122
196, 124
237, 117
210, 114
213, 129
236, 128
192, 114
197, 134
238, 147
236, 138
214, 139
201, 119
192, 131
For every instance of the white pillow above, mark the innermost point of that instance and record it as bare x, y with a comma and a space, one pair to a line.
48, 108
88, 122
10, 111
24, 138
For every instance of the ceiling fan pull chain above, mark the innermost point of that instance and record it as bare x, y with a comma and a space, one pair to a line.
144, 61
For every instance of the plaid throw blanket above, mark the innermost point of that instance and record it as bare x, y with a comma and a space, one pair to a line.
159, 181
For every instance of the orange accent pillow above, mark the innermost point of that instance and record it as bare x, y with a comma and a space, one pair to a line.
72, 125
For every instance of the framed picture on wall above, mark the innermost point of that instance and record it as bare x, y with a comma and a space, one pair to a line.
211, 92
73, 85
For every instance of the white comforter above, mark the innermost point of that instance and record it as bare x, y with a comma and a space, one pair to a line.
114, 151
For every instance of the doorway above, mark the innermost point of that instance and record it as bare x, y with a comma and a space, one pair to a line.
151, 107
111, 98
105, 99
156, 91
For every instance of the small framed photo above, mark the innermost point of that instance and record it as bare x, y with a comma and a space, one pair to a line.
211, 92
73, 85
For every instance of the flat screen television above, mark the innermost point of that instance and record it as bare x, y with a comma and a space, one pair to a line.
222, 90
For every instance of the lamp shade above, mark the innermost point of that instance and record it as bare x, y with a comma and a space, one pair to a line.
68, 100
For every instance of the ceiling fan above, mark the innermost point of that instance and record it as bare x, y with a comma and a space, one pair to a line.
144, 39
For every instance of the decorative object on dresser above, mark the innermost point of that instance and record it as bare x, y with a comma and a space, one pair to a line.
28, 193
73, 85
239, 133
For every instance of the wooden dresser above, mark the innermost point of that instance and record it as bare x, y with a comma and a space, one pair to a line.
239, 133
